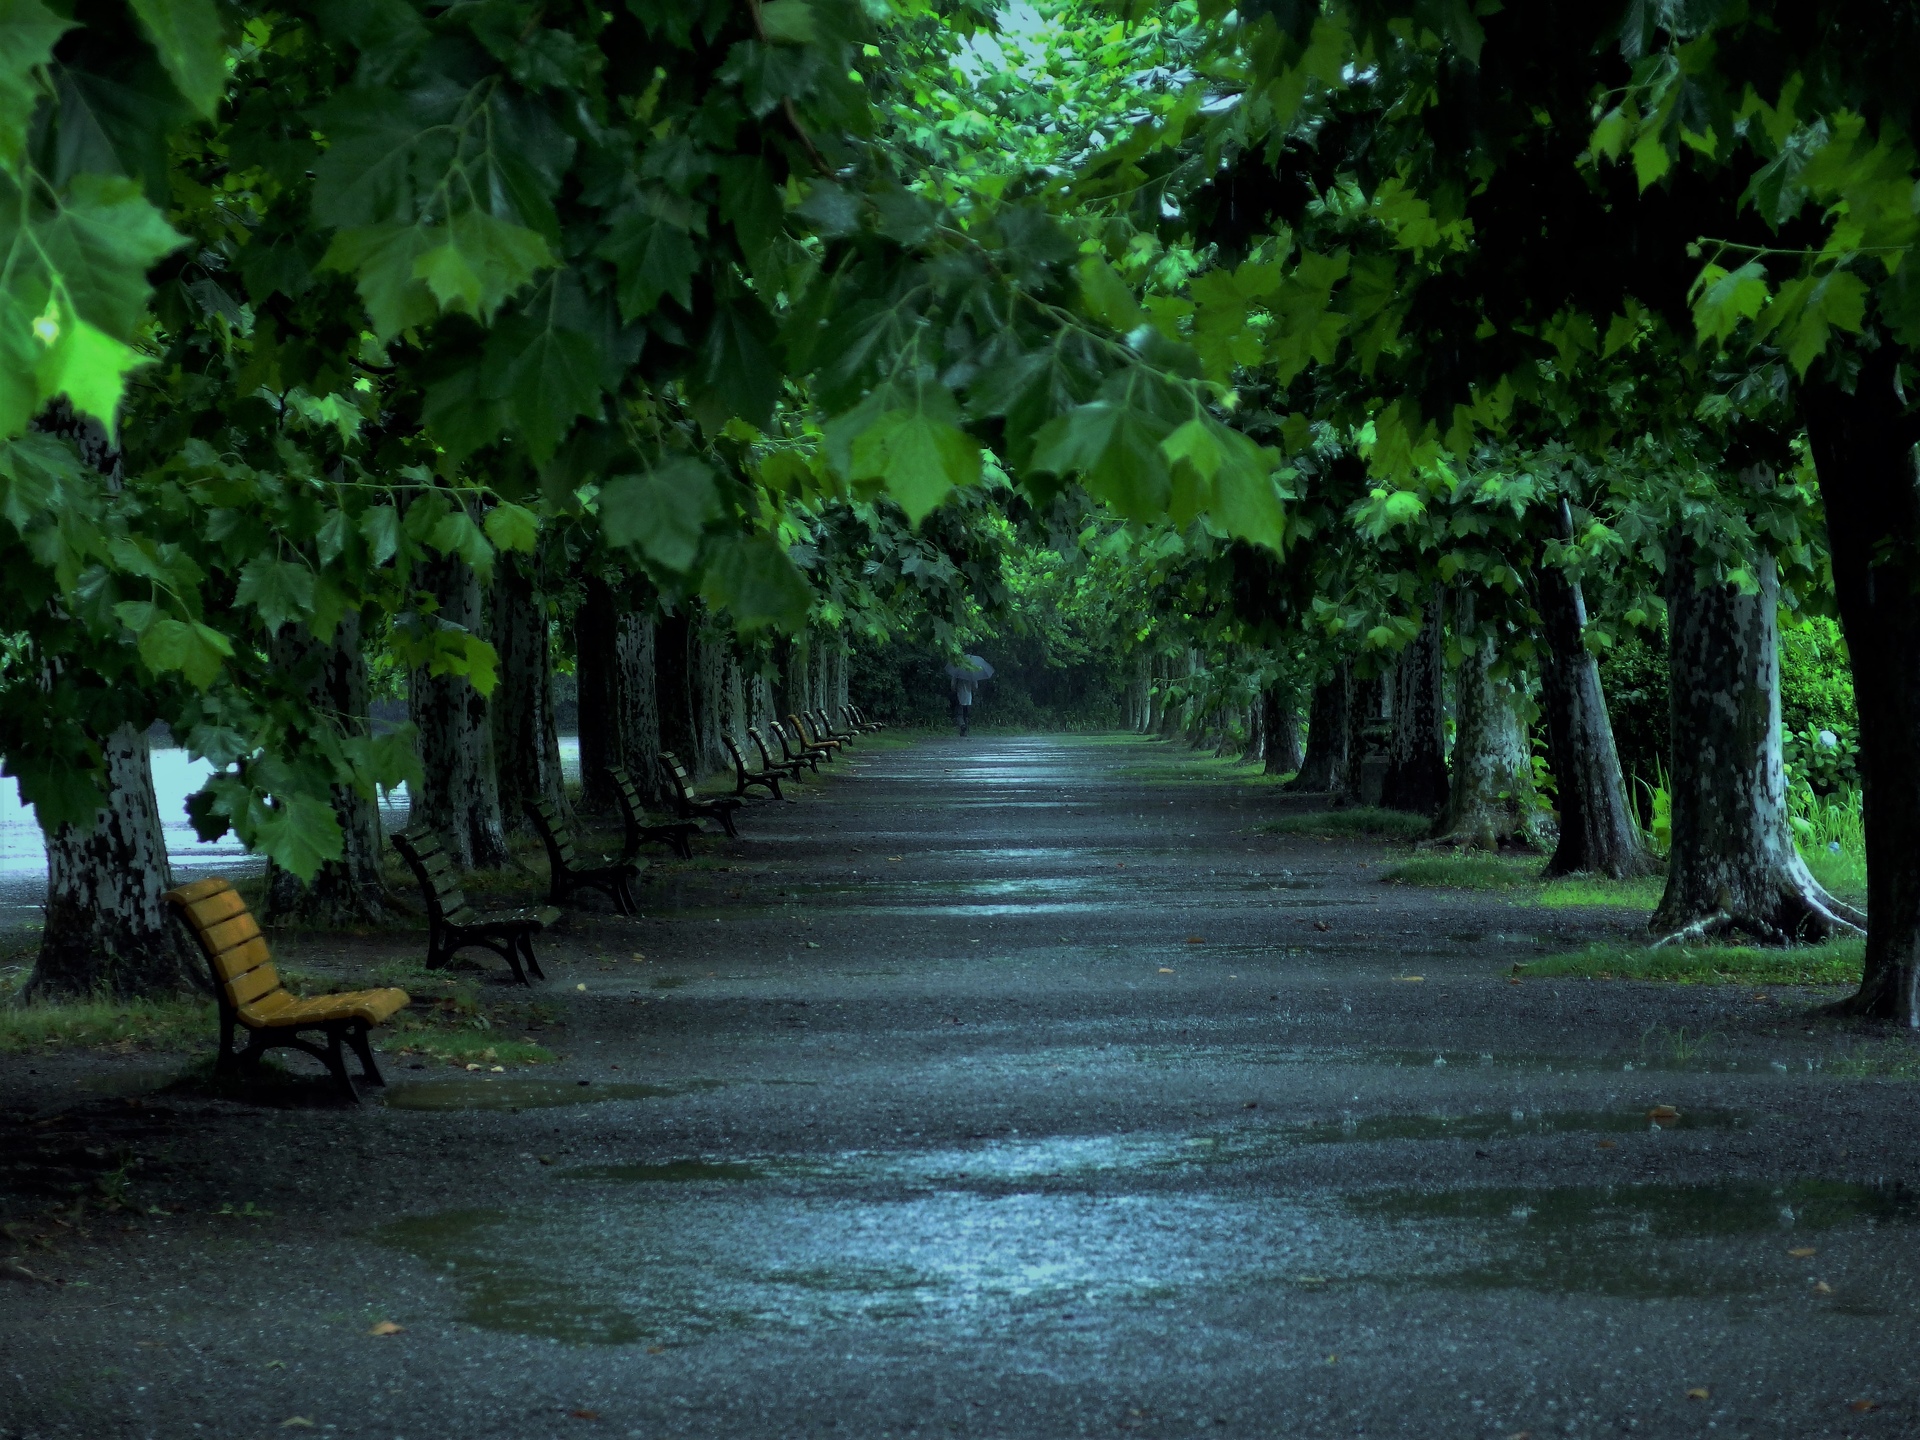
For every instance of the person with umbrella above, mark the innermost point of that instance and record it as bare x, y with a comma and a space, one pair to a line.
964, 674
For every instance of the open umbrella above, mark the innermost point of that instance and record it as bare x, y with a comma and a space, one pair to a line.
970, 667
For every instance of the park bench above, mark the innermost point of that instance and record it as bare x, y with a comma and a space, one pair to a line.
743, 778
850, 721
809, 743
860, 716
690, 806
454, 925
788, 768
792, 759
252, 997
823, 727
566, 873
676, 835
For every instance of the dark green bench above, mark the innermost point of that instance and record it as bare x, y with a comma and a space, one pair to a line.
745, 779
690, 806
676, 835
566, 874
454, 925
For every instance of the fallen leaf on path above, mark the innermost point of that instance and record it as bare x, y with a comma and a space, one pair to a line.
473, 1067
1821, 1287
14, 1270
1164, 970
1521, 1435
1321, 925
892, 858
296, 1422
1196, 939
1410, 979
1609, 1145
1803, 1252
1864, 1405
656, 1349
1513, 979
579, 987
586, 1414
1663, 1114
1697, 1394
386, 1327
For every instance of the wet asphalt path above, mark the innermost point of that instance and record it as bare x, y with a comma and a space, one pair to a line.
1023, 1087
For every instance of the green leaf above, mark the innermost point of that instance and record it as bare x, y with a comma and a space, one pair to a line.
513, 527
456, 534
1107, 297
101, 242
654, 257
281, 590
789, 22
917, 450
735, 374
380, 527
90, 368
664, 513
297, 832
186, 36
1806, 310
1723, 298
1115, 449
479, 261
28, 31
1650, 158
381, 260
753, 579
195, 650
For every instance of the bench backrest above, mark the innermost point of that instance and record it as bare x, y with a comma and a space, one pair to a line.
676, 774
235, 950
800, 729
426, 855
553, 832
766, 755
739, 761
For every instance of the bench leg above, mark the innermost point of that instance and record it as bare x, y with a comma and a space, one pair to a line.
336, 1064
726, 823
512, 953
526, 945
226, 1062
357, 1038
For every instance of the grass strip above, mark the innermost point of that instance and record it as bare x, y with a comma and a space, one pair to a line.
1836, 962
1361, 822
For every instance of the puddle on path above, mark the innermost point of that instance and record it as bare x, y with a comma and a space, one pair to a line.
1512, 1125
669, 1262
518, 1093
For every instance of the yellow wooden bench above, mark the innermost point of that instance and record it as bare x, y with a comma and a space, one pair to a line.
251, 995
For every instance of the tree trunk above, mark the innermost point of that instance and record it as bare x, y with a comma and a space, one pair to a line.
1255, 748
1350, 782
1599, 832
619, 708
839, 696
107, 929
458, 797
674, 668
790, 656
1863, 445
1156, 695
1491, 798
1325, 761
348, 891
1416, 778
1732, 859
526, 737
1280, 730
709, 692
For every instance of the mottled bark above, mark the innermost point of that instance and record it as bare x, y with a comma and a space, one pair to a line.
708, 675
675, 663
619, 708
526, 737
1157, 696
1416, 778
1490, 798
1863, 445
1732, 860
458, 796
1280, 731
838, 693
1363, 709
348, 891
107, 930
790, 661
1325, 760
1599, 832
